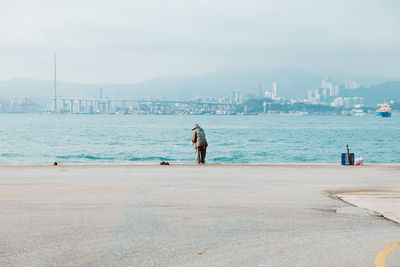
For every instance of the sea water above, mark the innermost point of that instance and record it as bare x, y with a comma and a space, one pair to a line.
45, 138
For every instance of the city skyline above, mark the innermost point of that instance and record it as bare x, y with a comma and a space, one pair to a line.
329, 97
294, 83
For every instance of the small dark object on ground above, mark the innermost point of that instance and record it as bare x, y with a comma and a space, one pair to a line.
55, 163
164, 163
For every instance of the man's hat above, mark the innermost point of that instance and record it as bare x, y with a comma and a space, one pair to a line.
195, 126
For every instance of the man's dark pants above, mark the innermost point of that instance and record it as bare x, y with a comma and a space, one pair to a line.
201, 154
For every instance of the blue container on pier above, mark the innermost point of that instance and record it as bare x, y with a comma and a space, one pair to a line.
345, 159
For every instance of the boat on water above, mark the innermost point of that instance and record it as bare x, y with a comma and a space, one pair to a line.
344, 113
297, 113
384, 111
357, 112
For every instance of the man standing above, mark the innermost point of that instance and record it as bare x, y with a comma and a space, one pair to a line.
199, 139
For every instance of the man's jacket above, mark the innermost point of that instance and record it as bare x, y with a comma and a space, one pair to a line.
199, 138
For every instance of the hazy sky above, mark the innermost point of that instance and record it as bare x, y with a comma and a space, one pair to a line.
130, 41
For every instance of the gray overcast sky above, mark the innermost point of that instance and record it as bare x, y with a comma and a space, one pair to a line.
131, 41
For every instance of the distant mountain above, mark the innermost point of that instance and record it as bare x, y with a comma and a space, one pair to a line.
291, 83
364, 80
377, 94
23, 87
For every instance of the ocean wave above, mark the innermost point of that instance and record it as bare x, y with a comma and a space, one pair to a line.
8, 155
263, 154
256, 140
148, 159
113, 159
231, 159
116, 143
83, 156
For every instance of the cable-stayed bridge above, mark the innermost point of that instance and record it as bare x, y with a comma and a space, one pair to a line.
105, 105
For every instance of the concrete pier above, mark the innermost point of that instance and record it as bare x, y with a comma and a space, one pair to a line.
187, 215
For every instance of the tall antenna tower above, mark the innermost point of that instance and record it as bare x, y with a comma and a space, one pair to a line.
55, 85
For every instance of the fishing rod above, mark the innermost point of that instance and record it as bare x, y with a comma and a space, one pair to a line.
348, 154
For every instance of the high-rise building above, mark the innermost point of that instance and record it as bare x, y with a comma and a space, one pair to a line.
310, 95
236, 97
258, 92
351, 85
274, 89
334, 90
325, 92
317, 96
337, 90
326, 84
331, 92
